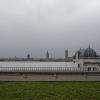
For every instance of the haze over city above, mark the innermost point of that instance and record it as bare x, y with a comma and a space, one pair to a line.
35, 26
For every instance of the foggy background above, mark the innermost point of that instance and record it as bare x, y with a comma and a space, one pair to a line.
35, 26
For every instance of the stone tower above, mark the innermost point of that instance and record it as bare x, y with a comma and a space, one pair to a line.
28, 56
66, 54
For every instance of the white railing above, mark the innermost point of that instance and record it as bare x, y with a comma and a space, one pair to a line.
43, 69
39, 69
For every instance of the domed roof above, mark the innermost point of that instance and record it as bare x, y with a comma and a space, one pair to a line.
89, 52
86, 53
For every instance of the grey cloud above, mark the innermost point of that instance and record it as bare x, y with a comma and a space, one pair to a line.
37, 25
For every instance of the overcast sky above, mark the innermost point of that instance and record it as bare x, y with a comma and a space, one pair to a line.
35, 26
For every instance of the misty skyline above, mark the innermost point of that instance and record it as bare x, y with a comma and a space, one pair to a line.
35, 26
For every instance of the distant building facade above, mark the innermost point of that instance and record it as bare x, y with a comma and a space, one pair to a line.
87, 59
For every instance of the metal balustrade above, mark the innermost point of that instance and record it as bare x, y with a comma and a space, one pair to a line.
42, 69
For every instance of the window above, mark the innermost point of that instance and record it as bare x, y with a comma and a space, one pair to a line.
94, 69
78, 65
89, 68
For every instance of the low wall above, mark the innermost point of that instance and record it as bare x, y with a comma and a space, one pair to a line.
71, 76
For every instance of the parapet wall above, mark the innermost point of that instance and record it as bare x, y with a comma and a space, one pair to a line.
71, 76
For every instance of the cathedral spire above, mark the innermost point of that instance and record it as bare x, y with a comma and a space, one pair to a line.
47, 55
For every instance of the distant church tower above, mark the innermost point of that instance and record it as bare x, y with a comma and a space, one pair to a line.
28, 56
47, 55
66, 54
